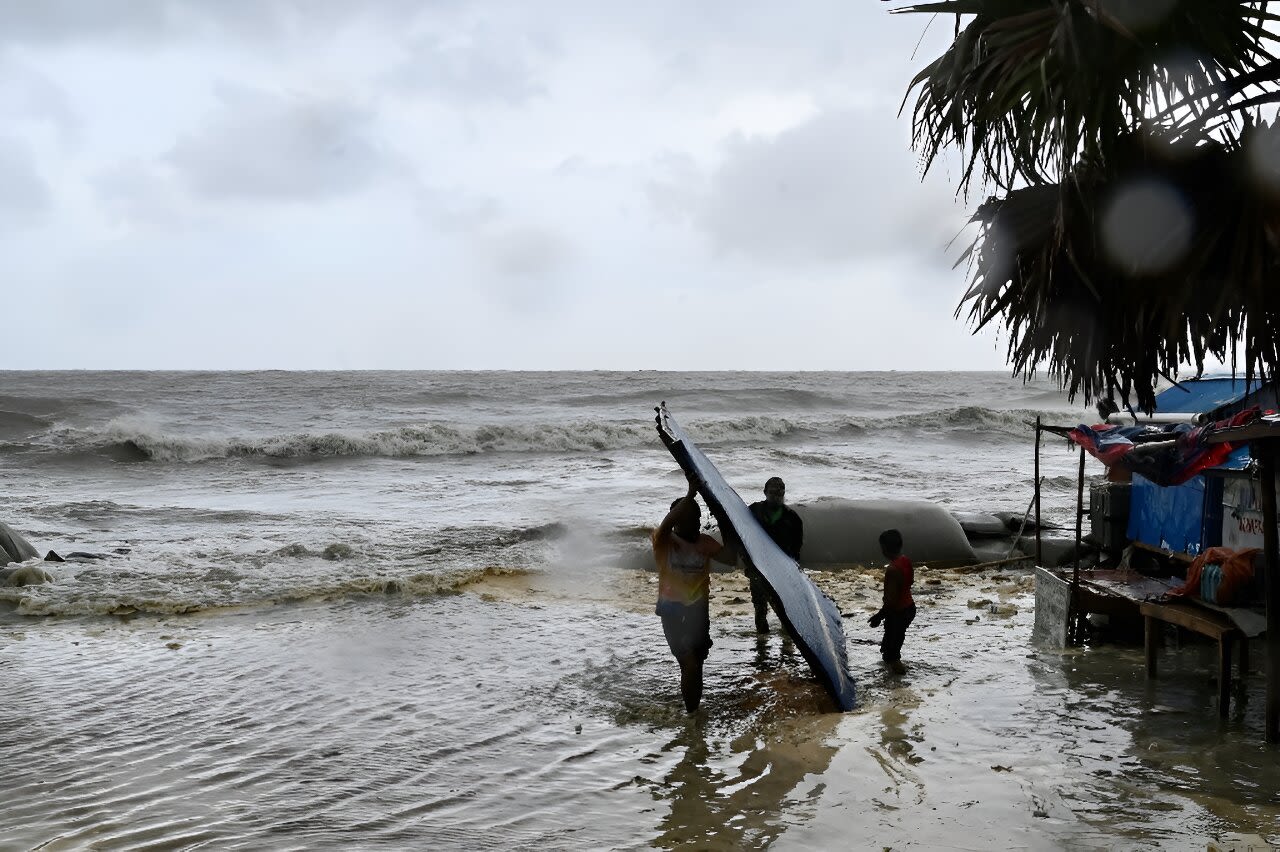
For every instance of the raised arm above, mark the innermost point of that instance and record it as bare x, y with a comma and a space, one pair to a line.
664, 528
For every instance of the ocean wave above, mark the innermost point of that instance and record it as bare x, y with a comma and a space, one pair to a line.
51, 406
135, 439
732, 399
131, 440
15, 424
970, 417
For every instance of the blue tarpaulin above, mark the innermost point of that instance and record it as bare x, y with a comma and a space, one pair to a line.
1173, 517
1203, 395
1169, 516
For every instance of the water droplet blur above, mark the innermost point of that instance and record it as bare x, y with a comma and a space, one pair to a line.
1263, 155
1146, 227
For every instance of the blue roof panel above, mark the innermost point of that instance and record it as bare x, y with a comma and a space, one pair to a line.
1202, 395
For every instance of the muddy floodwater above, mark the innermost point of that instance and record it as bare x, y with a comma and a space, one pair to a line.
527, 711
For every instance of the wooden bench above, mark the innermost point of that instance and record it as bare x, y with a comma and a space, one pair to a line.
1206, 622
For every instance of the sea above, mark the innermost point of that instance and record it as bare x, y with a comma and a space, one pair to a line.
412, 610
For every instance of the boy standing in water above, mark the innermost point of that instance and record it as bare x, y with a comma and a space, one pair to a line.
899, 608
684, 555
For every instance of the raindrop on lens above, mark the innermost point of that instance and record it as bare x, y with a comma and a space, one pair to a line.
1146, 227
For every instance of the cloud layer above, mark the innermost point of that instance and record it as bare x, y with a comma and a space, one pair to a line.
471, 185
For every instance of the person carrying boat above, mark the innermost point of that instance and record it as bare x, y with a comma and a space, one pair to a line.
787, 531
684, 553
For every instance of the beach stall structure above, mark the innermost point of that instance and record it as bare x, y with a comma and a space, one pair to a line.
1206, 509
1200, 501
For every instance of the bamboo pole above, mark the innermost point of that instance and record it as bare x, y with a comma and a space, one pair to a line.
1265, 452
1022, 526
982, 566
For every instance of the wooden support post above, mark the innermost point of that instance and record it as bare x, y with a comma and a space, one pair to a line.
1152, 643
1265, 452
1075, 574
1224, 674
1039, 557
1075, 615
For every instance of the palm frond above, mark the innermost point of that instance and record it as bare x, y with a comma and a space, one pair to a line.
1106, 322
1030, 85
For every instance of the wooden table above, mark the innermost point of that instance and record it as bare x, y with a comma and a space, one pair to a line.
1206, 622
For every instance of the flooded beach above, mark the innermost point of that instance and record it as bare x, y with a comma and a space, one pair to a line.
510, 716
324, 635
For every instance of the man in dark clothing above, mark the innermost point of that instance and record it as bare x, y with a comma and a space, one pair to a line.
787, 531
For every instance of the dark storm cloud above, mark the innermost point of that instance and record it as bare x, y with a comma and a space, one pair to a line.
821, 191
267, 146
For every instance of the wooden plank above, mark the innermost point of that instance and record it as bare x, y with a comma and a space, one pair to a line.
1053, 604
1204, 622
1160, 551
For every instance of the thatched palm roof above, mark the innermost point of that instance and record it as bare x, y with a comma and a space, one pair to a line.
1139, 226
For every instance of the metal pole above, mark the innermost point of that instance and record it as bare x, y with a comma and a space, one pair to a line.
1265, 452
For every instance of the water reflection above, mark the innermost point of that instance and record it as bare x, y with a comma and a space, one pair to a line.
1149, 746
896, 755
731, 788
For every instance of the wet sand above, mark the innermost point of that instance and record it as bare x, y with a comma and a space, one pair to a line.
541, 710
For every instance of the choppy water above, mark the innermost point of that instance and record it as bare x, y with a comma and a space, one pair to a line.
393, 610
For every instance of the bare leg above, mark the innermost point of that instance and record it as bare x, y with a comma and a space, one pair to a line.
691, 682
759, 602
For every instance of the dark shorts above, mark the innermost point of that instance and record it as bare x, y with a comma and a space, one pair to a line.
687, 628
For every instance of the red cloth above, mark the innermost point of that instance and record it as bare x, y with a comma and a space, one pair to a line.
908, 571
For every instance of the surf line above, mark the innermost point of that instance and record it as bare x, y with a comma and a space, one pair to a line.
810, 618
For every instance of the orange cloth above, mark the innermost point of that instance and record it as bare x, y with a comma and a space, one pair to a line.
684, 568
1237, 573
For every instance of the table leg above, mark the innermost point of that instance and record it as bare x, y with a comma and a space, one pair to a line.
1152, 643
1224, 675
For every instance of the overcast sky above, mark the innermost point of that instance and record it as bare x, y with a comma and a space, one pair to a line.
438, 185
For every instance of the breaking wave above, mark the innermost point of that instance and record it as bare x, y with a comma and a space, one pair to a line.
134, 439
973, 417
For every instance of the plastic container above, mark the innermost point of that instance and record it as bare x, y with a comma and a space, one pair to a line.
1210, 579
